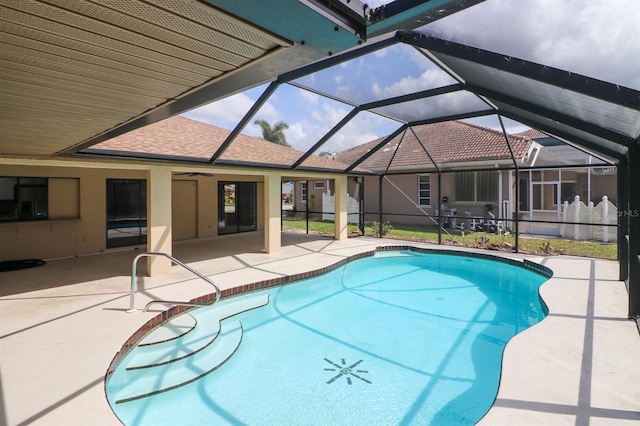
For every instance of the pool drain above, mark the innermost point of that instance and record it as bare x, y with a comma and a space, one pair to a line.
346, 371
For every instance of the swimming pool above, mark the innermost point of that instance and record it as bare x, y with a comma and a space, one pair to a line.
401, 337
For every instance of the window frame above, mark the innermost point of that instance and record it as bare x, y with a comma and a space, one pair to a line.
40, 191
474, 175
126, 201
420, 197
304, 190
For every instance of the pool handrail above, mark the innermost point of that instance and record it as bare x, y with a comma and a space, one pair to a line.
134, 273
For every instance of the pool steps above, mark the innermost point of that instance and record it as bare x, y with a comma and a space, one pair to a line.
156, 354
177, 327
404, 253
183, 350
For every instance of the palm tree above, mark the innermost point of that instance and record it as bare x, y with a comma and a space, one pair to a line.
273, 133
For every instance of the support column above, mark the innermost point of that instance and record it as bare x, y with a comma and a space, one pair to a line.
272, 212
633, 215
159, 219
341, 207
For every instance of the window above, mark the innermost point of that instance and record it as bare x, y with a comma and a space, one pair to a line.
126, 212
524, 194
476, 186
24, 198
237, 207
424, 190
318, 185
567, 192
303, 191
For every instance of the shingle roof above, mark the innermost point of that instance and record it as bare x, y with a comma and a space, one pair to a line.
184, 137
446, 142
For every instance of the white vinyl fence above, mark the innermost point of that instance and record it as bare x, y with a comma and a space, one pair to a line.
592, 218
329, 207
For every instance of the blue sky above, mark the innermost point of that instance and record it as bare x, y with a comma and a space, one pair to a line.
577, 35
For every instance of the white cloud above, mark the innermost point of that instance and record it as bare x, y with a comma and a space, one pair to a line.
230, 109
268, 112
329, 114
228, 112
297, 134
309, 97
596, 39
429, 79
363, 128
305, 133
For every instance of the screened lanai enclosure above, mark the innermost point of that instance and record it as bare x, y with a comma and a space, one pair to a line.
456, 116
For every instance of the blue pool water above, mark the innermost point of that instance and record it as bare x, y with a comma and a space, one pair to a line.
397, 338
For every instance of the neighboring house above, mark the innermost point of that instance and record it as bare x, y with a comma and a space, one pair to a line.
308, 195
542, 193
87, 205
415, 188
287, 195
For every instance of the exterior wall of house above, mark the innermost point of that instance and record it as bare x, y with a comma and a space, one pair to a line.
77, 210
76, 222
399, 199
314, 195
400, 209
602, 185
184, 207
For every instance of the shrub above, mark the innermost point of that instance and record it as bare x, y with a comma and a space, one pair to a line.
386, 227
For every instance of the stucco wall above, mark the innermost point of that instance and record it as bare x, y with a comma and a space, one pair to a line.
184, 209
604, 185
400, 195
399, 199
76, 224
77, 213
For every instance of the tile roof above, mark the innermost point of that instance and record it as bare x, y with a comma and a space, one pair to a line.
184, 137
446, 142
533, 134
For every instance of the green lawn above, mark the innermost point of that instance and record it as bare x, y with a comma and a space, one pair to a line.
315, 226
474, 239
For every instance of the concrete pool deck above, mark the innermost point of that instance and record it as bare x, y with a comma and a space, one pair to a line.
62, 323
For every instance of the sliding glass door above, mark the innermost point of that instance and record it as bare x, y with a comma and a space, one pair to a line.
237, 207
126, 212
